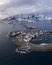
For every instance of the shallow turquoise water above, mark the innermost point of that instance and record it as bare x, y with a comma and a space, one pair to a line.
45, 38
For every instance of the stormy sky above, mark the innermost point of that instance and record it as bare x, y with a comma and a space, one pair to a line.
12, 7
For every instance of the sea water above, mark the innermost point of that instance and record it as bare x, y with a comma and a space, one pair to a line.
8, 56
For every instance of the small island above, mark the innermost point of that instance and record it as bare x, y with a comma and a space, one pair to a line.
23, 41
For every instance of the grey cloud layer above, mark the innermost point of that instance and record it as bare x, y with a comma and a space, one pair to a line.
22, 6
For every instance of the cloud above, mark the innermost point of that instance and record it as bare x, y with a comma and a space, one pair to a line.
12, 7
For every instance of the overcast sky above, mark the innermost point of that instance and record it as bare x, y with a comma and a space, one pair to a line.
12, 7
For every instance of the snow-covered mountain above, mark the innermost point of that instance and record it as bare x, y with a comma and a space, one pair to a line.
28, 17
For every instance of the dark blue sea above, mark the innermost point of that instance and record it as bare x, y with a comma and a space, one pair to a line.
8, 55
